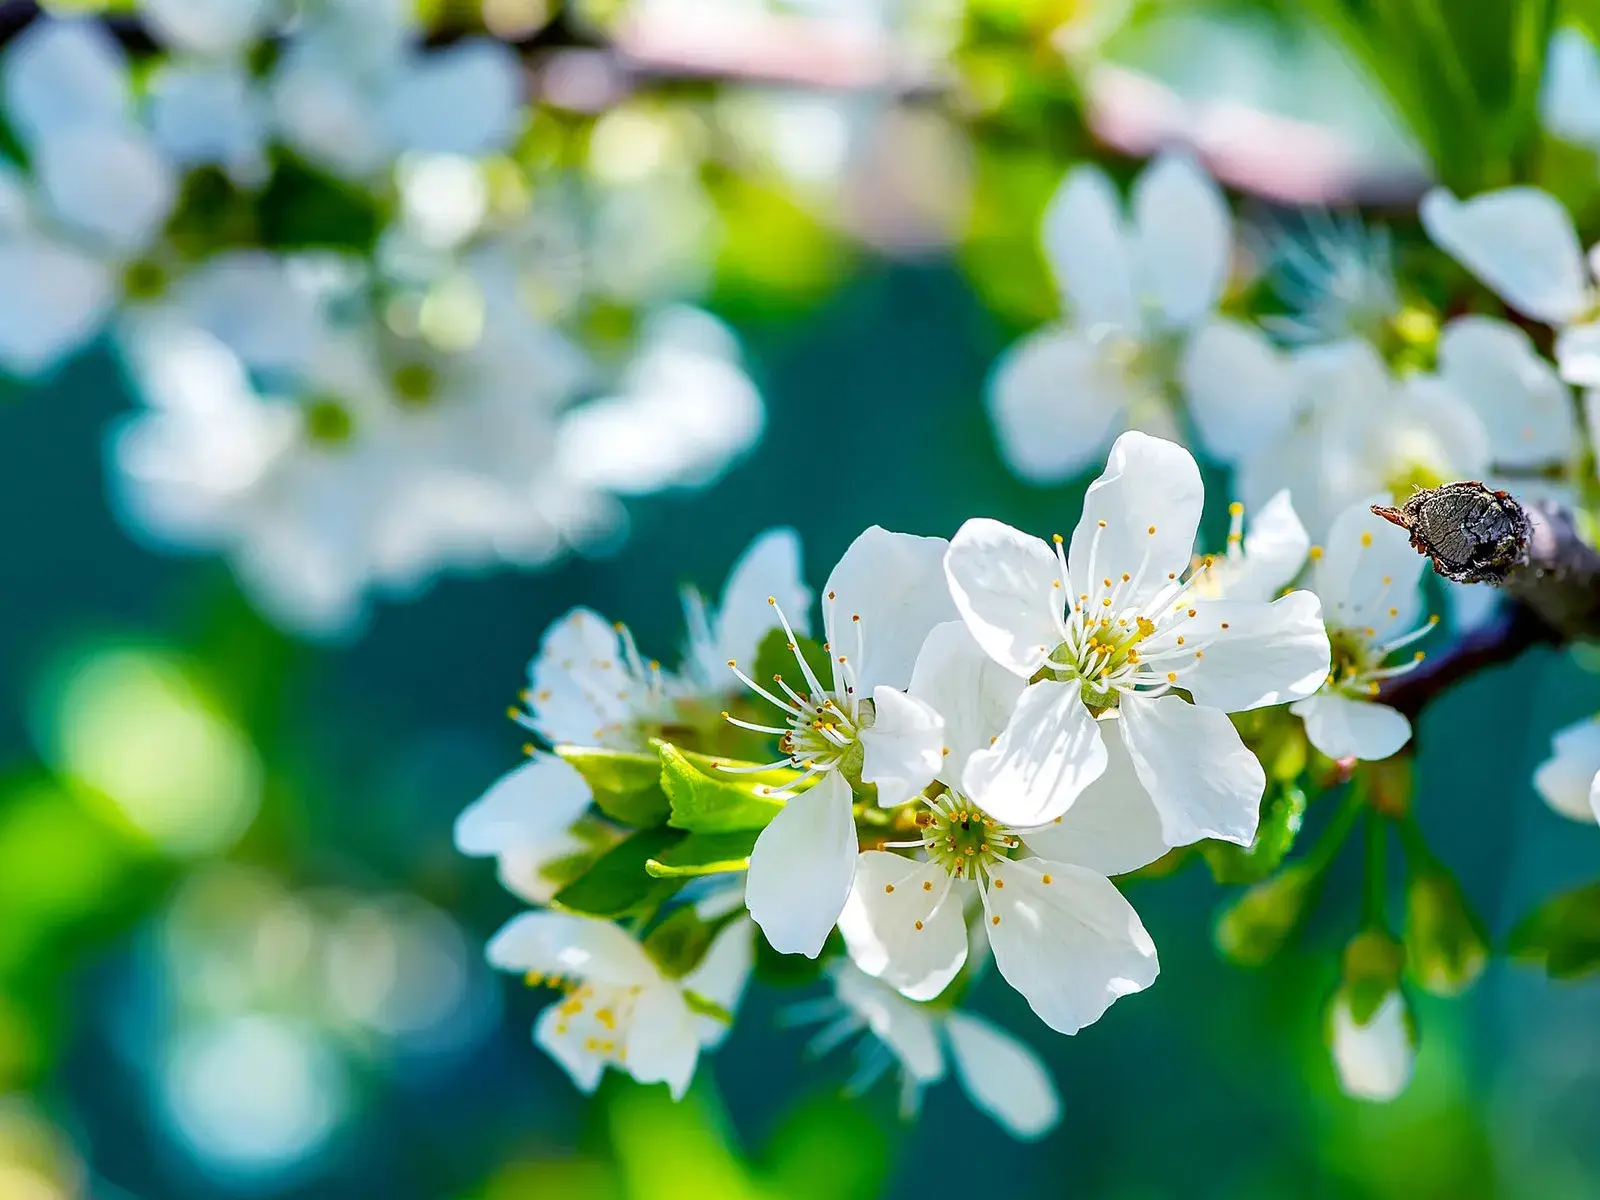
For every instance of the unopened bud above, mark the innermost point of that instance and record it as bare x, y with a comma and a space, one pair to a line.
1256, 925
1446, 949
1374, 1057
1372, 964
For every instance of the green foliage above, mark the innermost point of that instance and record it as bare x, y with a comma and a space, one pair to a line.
1281, 814
705, 854
706, 800
619, 884
1562, 934
303, 209
828, 1146
626, 786
1466, 82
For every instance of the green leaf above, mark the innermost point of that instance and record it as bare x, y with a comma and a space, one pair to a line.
705, 854
626, 786
1281, 815
775, 658
1562, 934
828, 1146
619, 883
706, 800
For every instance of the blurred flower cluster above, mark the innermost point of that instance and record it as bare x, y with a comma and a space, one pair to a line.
353, 302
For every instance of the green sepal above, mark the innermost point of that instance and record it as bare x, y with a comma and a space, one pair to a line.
1562, 934
618, 884
705, 854
706, 1008
1281, 815
705, 799
626, 786
1447, 947
774, 657
1371, 969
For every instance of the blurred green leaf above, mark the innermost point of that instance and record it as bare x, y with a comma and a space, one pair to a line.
705, 854
626, 786
619, 884
679, 943
828, 1147
675, 1151
704, 801
1562, 934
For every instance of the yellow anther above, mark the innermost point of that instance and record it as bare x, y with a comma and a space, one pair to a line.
995, 920
1366, 537
1057, 538
1236, 509
1172, 677
1045, 879
927, 885
1101, 524
1314, 553
919, 925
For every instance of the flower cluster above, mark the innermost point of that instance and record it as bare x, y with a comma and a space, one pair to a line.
992, 729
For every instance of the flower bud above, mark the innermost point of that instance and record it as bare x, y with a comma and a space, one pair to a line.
1256, 925
1445, 944
1373, 1058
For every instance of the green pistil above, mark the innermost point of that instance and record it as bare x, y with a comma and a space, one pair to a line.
962, 839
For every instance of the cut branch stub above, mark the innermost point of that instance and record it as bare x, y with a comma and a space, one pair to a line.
1532, 551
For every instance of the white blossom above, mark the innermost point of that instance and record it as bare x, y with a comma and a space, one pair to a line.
618, 1008
879, 604
1569, 780
1141, 292
1110, 628
1357, 430
1061, 933
1335, 274
1000, 1074
1367, 577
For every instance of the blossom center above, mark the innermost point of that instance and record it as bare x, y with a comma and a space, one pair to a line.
822, 723
595, 1016
962, 838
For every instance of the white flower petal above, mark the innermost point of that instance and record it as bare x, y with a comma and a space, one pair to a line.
578, 688
210, 114
1275, 548
1578, 354
1368, 568
1087, 245
662, 1045
1113, 827
1524, 407
1255, 654
1007, 589
903, 747
463, 99
111, 183
1055, 399
1241, 389
1050, 752
1342, 726
534, 804
903, 924
1520, 242
1566, 779
1203, 779
801, 868
1184, 238
1003, 1077
895, 583
553, 1034
974, 694
771, 566
213, 28
1149, 497
61, 75
54, 302
904, 1026
722, 976
1569, 101
1374, 1060
553, 943
1071, 946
